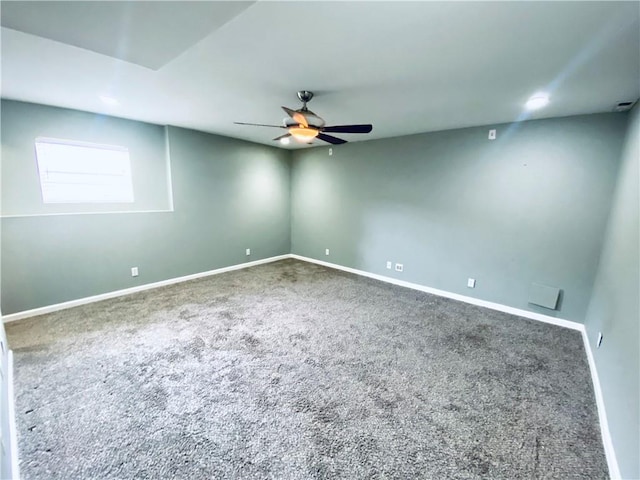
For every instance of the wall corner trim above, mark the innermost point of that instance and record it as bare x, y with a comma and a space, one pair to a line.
139, 288
614, 471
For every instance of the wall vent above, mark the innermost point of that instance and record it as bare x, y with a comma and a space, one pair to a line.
623, 106
544, 295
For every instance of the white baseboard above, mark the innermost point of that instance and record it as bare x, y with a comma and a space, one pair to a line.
612, 461
118, 293
11, 411
614, 471
455, 296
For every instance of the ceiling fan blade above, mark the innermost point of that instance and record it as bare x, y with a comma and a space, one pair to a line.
331, 139
282, 136
349, 128
258, 125
297, 116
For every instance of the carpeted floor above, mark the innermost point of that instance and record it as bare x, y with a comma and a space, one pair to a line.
294, 371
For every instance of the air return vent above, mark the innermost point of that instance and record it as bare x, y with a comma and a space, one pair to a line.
544, 295
623, 106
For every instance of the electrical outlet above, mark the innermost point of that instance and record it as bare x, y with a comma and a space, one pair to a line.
471, 283
600, 338
248, 251
134, 271
492, 134
389, 265
399, 267
326, 251
330, 151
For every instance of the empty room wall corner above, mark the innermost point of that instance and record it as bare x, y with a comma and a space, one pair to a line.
228, 195
529, 207
450, 205
614, 311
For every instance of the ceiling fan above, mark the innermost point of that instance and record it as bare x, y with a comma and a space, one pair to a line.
305, 126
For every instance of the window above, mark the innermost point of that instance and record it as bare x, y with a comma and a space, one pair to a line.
76, 172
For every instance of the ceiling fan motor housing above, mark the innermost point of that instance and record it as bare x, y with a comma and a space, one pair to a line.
305, 96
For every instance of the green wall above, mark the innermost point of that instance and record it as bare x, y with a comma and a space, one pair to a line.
528, 207
615, 310
228, 195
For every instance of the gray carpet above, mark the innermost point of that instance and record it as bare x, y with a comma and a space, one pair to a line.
294, 371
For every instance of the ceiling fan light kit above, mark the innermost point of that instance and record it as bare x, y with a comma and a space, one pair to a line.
303, 134
305, 126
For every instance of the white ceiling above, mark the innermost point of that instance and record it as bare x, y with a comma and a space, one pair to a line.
405, 67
